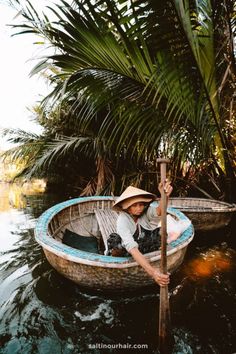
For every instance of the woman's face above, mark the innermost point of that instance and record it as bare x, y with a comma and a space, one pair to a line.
136, 209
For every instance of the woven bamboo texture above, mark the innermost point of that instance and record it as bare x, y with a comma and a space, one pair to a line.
92, 270
107, 278
205, 214
106, 219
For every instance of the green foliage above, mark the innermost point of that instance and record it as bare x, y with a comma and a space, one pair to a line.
139, 79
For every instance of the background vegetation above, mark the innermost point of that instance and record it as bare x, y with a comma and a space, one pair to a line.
132, 81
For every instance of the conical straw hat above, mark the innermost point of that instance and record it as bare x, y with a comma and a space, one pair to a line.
132, 195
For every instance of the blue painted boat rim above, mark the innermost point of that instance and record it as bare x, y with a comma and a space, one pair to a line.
71, 254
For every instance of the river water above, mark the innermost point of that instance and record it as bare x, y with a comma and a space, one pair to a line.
41, 312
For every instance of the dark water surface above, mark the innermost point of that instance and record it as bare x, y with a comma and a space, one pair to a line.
41, 312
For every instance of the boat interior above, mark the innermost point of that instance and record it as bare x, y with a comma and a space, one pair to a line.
85, 226
86, 222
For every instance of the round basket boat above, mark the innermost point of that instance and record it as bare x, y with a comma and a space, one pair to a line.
205, 214
95, 270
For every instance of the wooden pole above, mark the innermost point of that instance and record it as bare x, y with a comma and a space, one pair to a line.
164, 308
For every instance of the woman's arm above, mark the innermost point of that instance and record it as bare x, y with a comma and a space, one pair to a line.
160, 278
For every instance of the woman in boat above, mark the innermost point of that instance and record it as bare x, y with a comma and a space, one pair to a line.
138, 226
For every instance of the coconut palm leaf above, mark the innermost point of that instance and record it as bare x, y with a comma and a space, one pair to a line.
150, 65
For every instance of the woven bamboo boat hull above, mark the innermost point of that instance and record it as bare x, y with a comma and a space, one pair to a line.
205, 214
109, 278
98, 271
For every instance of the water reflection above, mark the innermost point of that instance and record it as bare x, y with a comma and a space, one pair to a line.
42, 312
14, 194
207, 264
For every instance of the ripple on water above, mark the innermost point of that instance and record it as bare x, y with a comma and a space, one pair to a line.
41, 312
102, 311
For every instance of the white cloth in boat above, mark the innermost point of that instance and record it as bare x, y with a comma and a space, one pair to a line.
126, 226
